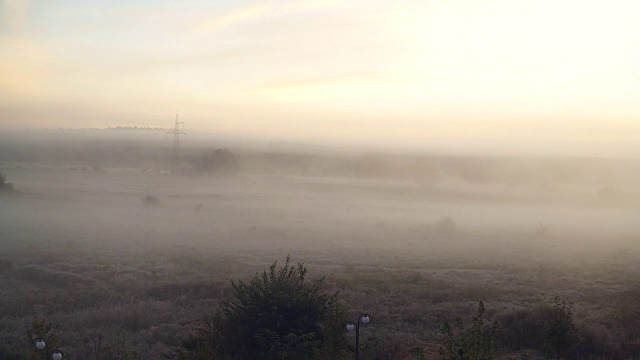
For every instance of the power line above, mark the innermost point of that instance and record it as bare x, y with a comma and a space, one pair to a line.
175, 151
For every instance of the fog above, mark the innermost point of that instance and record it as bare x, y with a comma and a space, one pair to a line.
113, 199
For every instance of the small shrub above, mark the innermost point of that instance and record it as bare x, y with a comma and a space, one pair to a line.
150, 200
561, 332
469, 342
446, 225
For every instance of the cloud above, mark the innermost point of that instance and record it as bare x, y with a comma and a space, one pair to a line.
316, 88
14, 15
234, 17
261, 10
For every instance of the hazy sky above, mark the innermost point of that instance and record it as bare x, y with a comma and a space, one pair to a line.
477, 73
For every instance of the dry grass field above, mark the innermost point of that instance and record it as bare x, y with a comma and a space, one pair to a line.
80, 248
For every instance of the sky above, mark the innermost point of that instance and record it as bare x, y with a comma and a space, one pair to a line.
471, 74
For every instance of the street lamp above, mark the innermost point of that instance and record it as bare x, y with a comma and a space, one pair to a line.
364, 319
55, 354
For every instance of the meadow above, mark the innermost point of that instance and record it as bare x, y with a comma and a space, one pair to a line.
413, 241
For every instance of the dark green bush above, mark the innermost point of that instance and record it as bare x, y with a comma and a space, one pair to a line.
277, 315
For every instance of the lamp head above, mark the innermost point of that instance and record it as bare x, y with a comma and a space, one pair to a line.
350, 326
364, 318
57, 355
39, 343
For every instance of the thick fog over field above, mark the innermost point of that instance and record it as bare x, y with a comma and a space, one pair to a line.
89, 186
378, 180
107, 232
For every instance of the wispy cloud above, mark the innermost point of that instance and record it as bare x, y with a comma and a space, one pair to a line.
313, 87
261, 10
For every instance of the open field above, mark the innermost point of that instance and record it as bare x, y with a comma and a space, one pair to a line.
248, 180
80, 249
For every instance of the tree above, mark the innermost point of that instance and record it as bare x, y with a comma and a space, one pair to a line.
472, 342
277, 315
561, 332
4, 185
221, 161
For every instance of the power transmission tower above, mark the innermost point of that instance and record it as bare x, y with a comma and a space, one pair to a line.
175, 151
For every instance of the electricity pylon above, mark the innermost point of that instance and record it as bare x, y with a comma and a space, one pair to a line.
175, 151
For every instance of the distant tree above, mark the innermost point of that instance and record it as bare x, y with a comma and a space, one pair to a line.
4, 185
277, 315
221, 161
471, 342
561, 332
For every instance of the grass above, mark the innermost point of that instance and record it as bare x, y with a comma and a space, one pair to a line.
92, 260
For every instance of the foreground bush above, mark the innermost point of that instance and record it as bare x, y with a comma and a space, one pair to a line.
277, 315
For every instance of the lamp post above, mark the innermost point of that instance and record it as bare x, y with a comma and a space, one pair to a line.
55, 354
364, 319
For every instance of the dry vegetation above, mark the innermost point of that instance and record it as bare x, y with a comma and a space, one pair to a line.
414, 241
